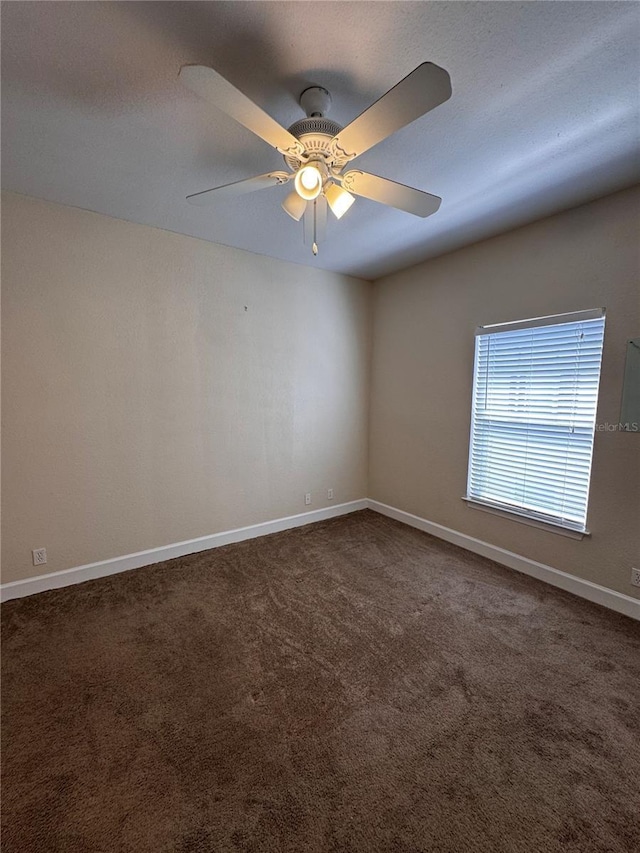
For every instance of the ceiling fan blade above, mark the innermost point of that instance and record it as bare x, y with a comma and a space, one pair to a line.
249, 185
211, 86
389, 192
422, 90
315, 222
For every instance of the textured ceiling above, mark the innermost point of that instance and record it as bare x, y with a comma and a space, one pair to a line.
544, 113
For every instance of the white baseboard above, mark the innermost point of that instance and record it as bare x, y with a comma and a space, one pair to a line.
585, 589
79, 574
570, 583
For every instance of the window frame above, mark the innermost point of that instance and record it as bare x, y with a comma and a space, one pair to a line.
520, 513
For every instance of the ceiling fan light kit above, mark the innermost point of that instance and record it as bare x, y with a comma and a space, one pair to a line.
317, 150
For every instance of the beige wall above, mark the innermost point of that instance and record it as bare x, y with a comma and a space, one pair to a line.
143, 405
424, 322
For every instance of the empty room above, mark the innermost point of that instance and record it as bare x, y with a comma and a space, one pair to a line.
320, 427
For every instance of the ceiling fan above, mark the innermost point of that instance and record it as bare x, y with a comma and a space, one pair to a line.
317, 150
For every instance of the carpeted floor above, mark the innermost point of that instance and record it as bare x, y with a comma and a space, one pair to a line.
354, 685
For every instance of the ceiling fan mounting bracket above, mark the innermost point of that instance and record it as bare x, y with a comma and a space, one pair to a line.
315, 101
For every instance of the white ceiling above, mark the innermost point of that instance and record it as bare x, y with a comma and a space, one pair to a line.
544, 113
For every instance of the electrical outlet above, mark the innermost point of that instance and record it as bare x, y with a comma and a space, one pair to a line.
635, 577
307, 499
330, 494
39, 556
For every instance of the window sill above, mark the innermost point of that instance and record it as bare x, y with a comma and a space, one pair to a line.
523, 519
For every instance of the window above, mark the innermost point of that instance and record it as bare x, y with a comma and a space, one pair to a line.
535, 391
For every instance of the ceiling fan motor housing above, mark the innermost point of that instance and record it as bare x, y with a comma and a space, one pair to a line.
315, 134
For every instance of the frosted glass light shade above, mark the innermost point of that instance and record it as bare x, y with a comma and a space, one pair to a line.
308, 182
294, 205
339, 200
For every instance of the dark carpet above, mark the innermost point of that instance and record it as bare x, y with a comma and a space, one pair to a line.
354, 685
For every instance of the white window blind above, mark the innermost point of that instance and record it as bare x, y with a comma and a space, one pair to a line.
535, 392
